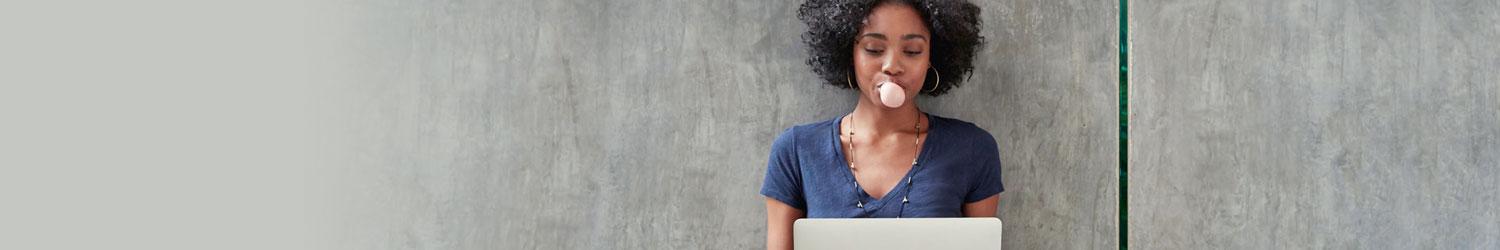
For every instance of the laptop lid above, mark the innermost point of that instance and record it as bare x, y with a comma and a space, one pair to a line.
903, 233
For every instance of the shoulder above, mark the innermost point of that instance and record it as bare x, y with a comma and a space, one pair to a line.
962, 132
790, 138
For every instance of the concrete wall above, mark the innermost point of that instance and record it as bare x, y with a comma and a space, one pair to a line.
646, 124
1314, 124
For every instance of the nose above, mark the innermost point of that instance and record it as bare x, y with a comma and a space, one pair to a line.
892, 66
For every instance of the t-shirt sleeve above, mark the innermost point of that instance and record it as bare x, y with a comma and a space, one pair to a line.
783, 175
987, 173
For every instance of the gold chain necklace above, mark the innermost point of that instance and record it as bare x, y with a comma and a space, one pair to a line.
916, 141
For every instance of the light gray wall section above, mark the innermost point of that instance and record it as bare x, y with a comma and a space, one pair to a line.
1314, 124
1047, 89
647, 124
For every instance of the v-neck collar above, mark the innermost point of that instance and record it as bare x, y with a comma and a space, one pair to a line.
902, 186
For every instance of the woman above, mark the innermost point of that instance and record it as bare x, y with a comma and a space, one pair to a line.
886, 158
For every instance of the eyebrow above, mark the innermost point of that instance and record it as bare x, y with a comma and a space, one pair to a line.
882, 36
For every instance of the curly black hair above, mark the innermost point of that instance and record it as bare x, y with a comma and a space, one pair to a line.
832, 26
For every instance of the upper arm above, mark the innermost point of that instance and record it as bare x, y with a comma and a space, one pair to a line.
779, 219
783, 179
984, 196
985, 171
782, 189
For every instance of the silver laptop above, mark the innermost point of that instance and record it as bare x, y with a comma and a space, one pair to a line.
904, 233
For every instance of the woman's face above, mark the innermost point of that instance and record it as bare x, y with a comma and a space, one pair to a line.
892, 46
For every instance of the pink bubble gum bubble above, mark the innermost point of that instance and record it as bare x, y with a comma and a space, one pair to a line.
892, 95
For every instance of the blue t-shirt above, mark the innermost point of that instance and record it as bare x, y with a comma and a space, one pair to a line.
958, 164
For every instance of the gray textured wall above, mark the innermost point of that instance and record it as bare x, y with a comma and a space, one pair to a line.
1314, 124
646, 124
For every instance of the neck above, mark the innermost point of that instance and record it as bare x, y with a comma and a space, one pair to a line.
876, 118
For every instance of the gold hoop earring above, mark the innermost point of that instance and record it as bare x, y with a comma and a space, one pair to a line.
938, 82
849, 83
